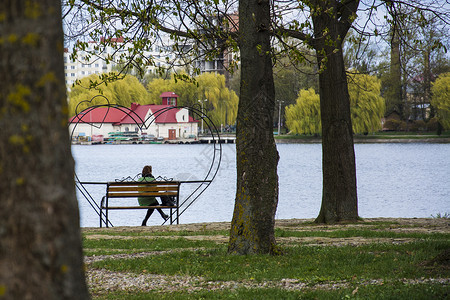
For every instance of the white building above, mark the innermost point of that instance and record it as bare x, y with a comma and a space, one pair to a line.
93, 61
161, 121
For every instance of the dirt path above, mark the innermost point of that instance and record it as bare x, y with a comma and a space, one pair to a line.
399, 224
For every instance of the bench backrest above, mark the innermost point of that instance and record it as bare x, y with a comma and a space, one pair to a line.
142, 189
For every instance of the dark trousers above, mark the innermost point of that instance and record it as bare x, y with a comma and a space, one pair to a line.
149, 213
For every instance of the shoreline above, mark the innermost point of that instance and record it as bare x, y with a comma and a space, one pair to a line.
312, 140
369, 141
429, 224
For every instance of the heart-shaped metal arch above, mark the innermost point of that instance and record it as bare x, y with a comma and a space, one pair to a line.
201, 185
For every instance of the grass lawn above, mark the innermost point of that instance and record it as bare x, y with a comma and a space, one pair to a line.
373, 259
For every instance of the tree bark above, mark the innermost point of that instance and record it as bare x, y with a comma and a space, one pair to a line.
40, 241
394, 95
252, 227
339, 197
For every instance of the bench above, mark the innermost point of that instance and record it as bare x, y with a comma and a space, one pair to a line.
136, 189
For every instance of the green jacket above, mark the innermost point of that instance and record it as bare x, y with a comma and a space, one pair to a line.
147, 201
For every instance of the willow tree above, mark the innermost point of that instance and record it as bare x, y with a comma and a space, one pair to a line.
366, 107
441, 99
122, 92
303, 117
40, 239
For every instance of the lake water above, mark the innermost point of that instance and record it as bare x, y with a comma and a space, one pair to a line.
394, 180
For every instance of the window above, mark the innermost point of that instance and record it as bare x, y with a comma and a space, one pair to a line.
72, 67
172, 101
72, 74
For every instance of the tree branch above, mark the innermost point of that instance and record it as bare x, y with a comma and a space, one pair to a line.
346, 9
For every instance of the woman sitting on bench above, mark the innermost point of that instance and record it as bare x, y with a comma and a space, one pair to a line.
149, 201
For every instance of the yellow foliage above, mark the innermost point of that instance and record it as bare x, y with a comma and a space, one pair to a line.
123, 92
304, 116
367, 107
441, 99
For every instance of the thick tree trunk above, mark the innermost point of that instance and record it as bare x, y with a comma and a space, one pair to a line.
426, 84
339, 197
394, 95
40, 242
252, 227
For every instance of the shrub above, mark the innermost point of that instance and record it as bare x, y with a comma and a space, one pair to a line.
418, 125
392, 125
432, 124
403, 126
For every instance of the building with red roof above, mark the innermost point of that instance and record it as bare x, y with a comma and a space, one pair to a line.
162, 121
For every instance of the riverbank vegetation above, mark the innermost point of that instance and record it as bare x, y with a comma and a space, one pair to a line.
373, 259
382, 135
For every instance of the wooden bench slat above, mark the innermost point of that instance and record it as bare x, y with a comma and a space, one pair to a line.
143, 185
142, 188
130, 183
138, 207
143, 192
140, 194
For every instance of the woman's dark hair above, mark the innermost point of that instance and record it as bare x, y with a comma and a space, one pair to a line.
146, 171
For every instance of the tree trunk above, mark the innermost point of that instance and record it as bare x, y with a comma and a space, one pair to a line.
426, 84
396, 103
393, 94
40, 241
252, 227
339, 198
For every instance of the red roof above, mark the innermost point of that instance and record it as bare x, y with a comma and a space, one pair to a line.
168, 95
162, 114
136, 114
99, 115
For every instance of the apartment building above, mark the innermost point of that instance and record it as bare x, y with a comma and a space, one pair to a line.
93, 61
